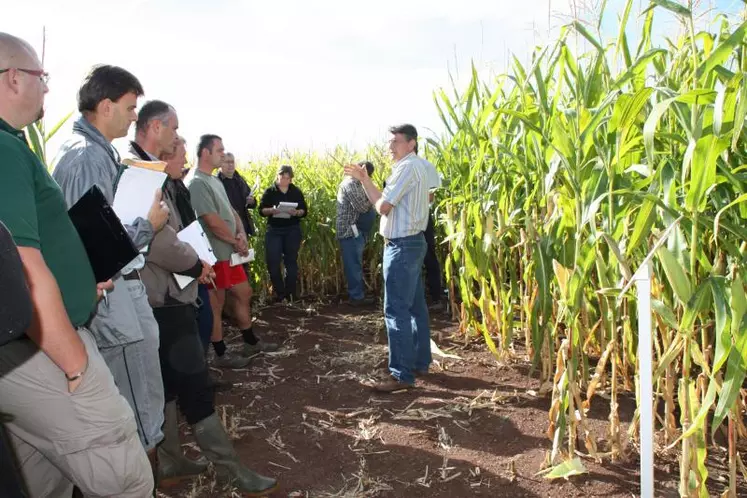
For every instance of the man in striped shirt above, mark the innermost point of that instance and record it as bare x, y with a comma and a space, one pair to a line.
403, 205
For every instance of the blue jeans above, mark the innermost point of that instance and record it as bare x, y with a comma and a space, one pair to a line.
352, 263
282, 244
405, 311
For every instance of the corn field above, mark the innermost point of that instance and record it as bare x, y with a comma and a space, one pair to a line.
564, 176
561, 178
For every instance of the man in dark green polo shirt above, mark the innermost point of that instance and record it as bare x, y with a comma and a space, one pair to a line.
70, 424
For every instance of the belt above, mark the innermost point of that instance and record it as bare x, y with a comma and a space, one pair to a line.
133, 275
387, 241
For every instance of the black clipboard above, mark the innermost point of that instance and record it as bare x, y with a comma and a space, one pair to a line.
107, 243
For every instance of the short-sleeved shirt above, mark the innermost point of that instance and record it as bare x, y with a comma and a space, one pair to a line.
407, 190
209, 196
34, 210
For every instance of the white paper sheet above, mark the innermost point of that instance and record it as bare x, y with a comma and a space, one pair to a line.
285, 209
194, 235
183, 281
135, 191
238, 259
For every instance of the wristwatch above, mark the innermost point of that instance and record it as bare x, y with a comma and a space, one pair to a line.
71, 378
78, 375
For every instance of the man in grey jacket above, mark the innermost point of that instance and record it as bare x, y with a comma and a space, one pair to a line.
124, 327
183, 365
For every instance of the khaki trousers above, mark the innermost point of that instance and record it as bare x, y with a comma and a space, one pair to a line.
87, 438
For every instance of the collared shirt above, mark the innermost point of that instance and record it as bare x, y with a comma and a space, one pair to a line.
352, 201
209, 197
88, 159
407, 191
33, 209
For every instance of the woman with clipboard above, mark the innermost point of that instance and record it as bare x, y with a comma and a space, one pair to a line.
283, 237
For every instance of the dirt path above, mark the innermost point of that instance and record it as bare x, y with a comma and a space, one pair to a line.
471, 428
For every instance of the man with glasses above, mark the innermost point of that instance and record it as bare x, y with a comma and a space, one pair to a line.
239, 193
39, 73
403, 205
70, 425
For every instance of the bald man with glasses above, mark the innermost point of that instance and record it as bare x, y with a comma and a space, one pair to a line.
69, 423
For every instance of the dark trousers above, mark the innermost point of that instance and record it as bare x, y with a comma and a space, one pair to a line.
282, 244
432, 266
183, 365
204, 315
10, 477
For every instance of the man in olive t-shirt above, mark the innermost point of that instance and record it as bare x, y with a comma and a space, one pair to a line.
226, 234
69, 423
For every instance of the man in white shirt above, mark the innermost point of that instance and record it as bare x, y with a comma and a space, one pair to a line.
403, 206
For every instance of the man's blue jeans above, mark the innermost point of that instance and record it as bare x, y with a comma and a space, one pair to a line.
405, 310
352, 264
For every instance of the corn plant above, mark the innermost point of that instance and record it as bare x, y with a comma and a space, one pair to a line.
563, 177
38, 137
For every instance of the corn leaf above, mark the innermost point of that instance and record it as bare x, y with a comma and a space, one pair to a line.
736, 369
721, 331
675, 274
673, 6
567, 469
723, 51
703, 170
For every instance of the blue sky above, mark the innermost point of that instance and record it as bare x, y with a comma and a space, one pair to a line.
291, 74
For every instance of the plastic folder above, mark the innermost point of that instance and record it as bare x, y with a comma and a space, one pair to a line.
107, 243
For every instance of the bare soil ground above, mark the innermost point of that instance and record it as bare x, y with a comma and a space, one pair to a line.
472, 427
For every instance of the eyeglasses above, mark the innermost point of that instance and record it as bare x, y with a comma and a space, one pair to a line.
39, 73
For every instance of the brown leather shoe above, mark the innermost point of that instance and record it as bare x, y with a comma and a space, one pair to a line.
420, 373
391, 385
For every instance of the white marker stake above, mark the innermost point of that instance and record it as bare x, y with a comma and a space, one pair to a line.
645, 379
